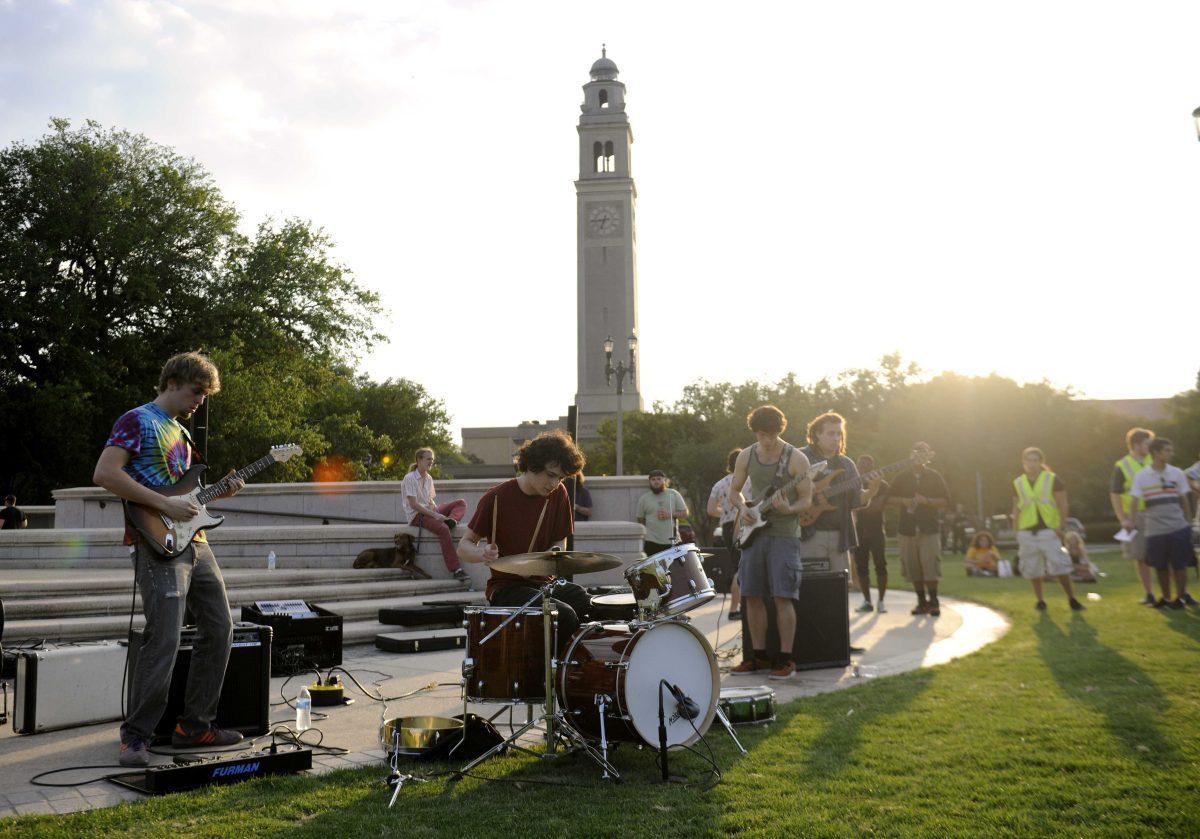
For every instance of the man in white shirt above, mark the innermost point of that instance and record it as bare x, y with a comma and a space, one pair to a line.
423, 510
721, 507
1165, 491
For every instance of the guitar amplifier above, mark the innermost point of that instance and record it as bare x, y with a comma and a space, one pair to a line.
822, 623
300, 641
246, 692
720, 567
59, 686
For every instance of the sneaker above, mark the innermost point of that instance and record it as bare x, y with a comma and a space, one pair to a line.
1148, 600
211, 736
935, 609
450, 524
920, 609
1188, 600
735, 614
1076, 606
135, 753
752, 666
1158, 604
783, 671
1175, 604
865, 607
879, 607
460, 574
1041, 606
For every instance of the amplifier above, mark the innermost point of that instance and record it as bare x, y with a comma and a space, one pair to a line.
59, 686
720, 567
822, 623
176, 777
246, 692
300, 643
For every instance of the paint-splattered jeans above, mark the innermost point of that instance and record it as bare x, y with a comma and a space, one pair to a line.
168, 589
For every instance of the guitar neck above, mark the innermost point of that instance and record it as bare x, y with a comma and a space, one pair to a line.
855, 483
222, 486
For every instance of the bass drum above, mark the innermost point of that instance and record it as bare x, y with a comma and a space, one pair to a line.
626, 663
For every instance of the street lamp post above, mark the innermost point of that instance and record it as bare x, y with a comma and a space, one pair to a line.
621, 369
1196, 118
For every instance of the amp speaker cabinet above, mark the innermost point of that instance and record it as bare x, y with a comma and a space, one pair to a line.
822, 623
246, 692
720, 567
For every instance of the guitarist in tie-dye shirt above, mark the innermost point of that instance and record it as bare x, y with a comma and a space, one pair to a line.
149, 448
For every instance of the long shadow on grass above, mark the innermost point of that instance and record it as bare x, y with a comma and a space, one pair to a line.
1097, 676
1186, 623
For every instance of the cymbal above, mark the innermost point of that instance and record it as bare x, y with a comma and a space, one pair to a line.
549, 563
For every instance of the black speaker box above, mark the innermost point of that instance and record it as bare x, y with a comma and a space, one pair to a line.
822, 623
720, 567
245, 694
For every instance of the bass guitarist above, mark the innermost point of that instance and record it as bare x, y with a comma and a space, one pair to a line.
148, 447
770, 565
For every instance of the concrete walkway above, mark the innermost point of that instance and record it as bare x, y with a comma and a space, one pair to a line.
895, 642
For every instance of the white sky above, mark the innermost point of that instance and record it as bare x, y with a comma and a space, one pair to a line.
985, 187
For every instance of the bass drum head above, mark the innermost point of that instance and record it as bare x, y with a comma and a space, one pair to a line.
682, 656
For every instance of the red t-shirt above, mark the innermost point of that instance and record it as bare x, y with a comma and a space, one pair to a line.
517, 516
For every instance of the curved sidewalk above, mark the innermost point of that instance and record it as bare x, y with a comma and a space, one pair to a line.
895, 642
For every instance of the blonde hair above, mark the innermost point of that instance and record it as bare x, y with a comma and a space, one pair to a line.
417, 456
1073, 539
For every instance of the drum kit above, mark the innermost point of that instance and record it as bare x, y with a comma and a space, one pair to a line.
641, 674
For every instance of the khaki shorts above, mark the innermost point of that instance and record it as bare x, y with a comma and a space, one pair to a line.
1135, 548
823, 544
921, 557
1042, 554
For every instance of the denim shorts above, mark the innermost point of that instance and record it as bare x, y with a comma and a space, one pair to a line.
770, 567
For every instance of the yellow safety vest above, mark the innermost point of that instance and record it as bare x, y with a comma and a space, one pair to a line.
1130, 466
1035, 499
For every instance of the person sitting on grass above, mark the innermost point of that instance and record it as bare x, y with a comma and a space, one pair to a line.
1083, 570
983, 559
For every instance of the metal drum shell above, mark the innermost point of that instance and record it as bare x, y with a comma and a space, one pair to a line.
417, 734
748, 706
670, 582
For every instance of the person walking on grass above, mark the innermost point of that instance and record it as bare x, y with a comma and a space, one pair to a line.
1164, 490
1039, 510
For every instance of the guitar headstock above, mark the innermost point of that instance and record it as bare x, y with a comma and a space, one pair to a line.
285, 452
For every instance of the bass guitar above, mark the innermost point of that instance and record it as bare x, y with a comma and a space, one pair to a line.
829, 486
762, 507
169, 537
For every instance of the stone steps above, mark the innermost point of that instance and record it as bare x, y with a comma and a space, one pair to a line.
17, 584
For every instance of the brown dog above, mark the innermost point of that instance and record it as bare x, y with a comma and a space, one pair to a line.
402, 556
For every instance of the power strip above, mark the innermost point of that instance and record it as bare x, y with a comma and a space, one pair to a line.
177, 777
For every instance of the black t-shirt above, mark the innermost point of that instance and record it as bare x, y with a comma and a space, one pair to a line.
579, 495
12, 518
870, 521
1059, 486
925, 518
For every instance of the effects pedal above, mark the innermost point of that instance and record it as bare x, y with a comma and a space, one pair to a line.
329, 692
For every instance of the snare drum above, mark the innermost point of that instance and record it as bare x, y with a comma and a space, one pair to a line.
748, 706
614, 607
670, 582
623, 665
511, 666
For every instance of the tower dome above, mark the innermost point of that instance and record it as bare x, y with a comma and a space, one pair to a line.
605, 69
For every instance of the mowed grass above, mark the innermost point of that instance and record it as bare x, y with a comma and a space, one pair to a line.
1071, 725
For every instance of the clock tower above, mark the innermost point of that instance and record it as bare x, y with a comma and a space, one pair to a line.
606, 242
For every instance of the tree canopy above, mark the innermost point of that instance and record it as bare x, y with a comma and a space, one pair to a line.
116, 253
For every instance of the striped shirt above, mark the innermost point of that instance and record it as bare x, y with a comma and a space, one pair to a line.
1162, 492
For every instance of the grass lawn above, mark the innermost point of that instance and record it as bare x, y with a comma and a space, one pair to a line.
1070, 725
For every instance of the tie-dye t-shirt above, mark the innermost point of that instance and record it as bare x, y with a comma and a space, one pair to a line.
159, 453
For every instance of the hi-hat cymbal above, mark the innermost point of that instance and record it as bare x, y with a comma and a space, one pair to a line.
551, 563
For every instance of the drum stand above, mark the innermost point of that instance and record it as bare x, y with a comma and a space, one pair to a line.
729, 727
551, 717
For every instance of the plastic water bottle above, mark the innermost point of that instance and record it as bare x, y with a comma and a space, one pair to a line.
271, 561
303, 710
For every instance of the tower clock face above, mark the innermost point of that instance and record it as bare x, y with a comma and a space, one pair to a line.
604, 220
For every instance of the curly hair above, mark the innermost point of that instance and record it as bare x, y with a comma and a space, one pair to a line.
767, 419
983, 534
190, 368
550, 447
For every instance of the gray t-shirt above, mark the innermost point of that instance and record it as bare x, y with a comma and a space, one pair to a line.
1162, 492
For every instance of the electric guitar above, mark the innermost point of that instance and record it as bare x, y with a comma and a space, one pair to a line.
170, 538
762, 506
829, 486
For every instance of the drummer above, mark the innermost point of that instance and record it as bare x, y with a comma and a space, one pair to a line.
527, 514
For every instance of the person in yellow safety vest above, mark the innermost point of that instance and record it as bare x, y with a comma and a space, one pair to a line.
1039, 510
1127, 509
